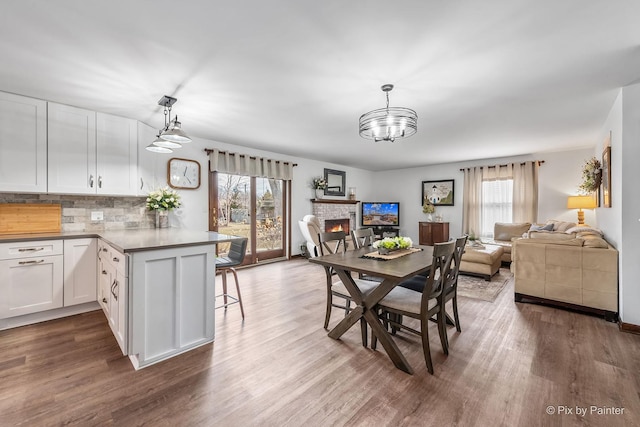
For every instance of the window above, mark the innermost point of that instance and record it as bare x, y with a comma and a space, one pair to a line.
497, 205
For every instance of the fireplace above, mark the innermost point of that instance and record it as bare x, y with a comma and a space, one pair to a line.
337, 225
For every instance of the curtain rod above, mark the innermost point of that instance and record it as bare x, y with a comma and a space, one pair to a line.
209, 151
539, 163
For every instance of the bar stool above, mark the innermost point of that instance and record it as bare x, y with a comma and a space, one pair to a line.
226, 264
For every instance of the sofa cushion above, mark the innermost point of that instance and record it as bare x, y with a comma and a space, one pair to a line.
550, 235
508, 231
583, 230
593, 241
570, 241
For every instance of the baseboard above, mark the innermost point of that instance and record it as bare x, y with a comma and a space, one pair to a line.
629, 327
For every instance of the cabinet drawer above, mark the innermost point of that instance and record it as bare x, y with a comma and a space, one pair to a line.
30, 249
108, 255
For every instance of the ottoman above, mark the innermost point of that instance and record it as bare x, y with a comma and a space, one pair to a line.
483, 262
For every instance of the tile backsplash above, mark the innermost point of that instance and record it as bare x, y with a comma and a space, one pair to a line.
119, 212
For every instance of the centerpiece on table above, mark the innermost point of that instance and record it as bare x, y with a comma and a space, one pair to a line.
390, 244
162, 201
319, 184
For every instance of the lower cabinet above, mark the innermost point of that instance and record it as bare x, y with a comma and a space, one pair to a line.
31, 276
433, 232
79, 271
112, 291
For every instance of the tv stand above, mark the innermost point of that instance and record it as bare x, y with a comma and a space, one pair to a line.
382, 232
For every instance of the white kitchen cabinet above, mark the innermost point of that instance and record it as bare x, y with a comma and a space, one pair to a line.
117, 155
72, 150
152, 167
80, 267
91, 153
171, 302
32, 277
113, 291
23, 144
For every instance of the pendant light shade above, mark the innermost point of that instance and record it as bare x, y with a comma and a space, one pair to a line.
387, 124
174, 133
157, 149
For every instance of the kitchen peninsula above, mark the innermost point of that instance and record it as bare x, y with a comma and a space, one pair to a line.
156, 286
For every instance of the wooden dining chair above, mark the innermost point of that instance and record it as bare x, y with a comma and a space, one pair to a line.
450, 288
332, 243
362, 237
405, 302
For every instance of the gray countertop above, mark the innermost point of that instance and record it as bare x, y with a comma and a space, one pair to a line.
134, 240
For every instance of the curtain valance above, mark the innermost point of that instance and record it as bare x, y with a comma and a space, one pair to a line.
243, 164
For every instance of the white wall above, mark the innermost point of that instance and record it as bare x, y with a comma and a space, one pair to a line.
559, 177
626, 202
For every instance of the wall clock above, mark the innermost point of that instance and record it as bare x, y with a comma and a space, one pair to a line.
183, 173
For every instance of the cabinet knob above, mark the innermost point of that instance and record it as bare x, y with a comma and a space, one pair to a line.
116, 259
100, 182
104, 272
91, 181
104, 300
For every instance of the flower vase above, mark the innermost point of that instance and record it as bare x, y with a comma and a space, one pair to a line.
319, 193
162, 219
429, 218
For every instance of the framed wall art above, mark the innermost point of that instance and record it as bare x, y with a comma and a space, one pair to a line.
606, 177
439, 193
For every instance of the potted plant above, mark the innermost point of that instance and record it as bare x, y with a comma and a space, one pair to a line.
162, 201
319, 184
429, 209
390, 244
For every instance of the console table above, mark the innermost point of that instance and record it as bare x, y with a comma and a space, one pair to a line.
433, 232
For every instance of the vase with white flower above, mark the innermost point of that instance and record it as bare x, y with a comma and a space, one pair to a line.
319, 184
162, 201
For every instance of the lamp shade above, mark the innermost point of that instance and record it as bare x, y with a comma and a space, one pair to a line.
581, 202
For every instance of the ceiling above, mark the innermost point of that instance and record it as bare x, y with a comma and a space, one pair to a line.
487, 79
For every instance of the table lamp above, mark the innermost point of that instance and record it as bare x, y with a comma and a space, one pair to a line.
581, 202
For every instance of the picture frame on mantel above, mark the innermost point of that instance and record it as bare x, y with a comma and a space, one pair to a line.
439, 193
606, 177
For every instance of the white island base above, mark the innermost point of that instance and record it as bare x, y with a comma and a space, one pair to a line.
171, 302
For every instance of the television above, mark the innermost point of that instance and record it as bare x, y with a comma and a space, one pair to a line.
380, 214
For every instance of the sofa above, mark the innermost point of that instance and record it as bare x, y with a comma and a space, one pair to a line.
503, 235
576, 269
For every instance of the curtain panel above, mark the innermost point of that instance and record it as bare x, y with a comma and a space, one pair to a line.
525, 192
243, 164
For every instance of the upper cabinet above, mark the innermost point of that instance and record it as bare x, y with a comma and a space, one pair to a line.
117, 158
23, 144
72, 150
91, 153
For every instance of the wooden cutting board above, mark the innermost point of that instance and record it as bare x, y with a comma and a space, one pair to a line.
18, 218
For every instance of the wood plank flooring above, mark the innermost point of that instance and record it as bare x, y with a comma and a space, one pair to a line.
278, 368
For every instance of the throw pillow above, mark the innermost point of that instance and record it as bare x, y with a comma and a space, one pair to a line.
592, 241
585, 230
546, 227
561, 226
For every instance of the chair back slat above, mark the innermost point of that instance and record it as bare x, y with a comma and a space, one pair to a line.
440, 267
363, 237
332, 242
452, 280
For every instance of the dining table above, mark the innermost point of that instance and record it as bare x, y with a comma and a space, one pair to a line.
392, 272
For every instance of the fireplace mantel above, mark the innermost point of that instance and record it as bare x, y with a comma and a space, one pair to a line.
335, 201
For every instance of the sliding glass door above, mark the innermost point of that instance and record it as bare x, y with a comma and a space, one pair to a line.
252, 207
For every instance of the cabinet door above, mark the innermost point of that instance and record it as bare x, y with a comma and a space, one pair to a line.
117, 154
23, 144
105, 273
152, 171
72, 150
79, 271
118, 311
30, 285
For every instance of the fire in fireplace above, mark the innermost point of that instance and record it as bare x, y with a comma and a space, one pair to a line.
337, 225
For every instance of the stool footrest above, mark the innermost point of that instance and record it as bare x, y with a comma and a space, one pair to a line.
231, 297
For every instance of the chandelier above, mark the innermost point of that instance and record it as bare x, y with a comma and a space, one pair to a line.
387, 124
171, 136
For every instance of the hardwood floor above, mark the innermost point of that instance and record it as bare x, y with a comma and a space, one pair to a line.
279, 368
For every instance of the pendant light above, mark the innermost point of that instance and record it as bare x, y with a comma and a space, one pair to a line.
171, 136
387, 124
